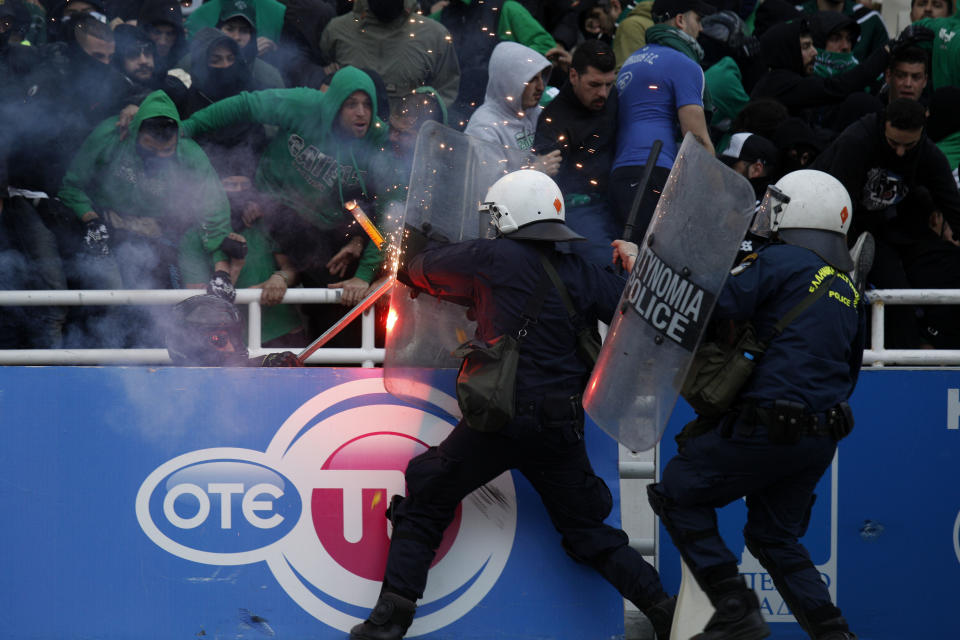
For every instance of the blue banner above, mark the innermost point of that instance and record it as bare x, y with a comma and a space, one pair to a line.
885, 528
144, 503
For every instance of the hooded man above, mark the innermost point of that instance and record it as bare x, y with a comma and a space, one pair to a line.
61, 14
162, 20
790, 54
219, 70
509, 113
405, 48
475, 29
238, 21
834, 35
873, 31
317, 162
145, 190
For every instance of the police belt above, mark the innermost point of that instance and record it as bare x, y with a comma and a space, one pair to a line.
787, 421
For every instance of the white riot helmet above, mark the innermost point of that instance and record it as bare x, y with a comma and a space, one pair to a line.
810, 209
528, 205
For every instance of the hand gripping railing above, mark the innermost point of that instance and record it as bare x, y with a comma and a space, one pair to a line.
366, 355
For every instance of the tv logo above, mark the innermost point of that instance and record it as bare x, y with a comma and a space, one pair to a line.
312, 506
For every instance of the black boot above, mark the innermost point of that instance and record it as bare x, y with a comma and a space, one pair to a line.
737, 615
660, 616
833, 629
389, 620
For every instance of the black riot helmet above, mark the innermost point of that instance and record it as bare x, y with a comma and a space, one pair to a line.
206, 331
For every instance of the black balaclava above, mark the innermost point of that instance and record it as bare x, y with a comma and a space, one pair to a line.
386, 10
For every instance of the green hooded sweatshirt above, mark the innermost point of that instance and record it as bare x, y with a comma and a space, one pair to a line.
946, 50
183, 193
308, 165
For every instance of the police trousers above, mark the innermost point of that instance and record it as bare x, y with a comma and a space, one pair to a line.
550, 453
725, 464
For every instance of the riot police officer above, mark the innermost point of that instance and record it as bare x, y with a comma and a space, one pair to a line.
496, 278
780, 436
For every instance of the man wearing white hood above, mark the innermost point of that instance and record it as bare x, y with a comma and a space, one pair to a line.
511, 107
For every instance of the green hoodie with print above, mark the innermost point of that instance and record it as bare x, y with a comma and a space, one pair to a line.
309, 165
946, 50
108, 173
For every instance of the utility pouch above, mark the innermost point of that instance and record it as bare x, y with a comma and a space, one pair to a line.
486, 383
563, 414
588, 345
786, 421
840, 421
487, 380
719, 370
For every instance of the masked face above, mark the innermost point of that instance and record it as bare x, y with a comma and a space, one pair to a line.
386, 10
226, 76
156, 153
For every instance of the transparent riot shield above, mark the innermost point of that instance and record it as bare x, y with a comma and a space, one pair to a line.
684, 259
451, 175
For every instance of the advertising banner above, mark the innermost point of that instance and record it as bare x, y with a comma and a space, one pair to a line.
885, 527
158, 503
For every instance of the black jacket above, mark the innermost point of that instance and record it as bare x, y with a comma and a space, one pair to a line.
587, 140
878, 180
69, 94
787, 83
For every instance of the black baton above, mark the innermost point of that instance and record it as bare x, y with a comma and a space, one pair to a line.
641, 188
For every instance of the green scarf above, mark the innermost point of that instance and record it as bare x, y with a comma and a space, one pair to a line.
829, 63
668, 36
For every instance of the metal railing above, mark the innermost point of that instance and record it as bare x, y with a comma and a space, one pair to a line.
366, 355
878, 356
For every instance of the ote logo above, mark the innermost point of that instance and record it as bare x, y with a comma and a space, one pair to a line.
312, 507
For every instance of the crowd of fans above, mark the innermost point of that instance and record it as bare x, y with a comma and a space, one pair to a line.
153, 144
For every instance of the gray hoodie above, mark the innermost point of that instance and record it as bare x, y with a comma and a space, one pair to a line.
500, 119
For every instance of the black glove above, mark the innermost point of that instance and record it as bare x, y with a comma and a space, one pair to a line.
750, 47
234, 248
914, 34
220, 285
284, 359
96, 235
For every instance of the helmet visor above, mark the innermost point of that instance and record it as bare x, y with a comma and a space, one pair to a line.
768, 216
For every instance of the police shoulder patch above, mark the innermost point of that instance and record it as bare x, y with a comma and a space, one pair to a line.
746, 262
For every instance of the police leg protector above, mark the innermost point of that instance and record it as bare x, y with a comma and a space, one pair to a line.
389, 620
814, 620
737, 615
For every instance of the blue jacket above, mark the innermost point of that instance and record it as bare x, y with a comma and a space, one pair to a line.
817, 358
496, 278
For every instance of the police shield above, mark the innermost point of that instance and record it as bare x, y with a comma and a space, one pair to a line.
689, 247
451, 175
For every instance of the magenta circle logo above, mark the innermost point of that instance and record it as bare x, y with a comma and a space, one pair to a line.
367, 557
341, 456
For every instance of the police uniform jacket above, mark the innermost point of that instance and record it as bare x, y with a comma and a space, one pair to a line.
497, 277
817, 358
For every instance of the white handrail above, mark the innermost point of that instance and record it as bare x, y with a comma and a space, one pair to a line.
879, 356
366, 355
